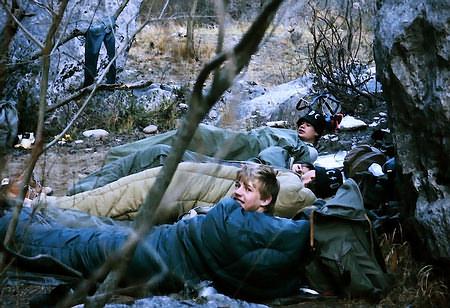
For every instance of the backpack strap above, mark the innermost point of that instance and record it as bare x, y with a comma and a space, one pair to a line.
370, 233
311, 231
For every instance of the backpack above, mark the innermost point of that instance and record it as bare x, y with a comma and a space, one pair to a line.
360, 158
373, 188
346, 258
9, 123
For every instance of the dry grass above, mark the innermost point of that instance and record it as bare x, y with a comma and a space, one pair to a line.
415, 284
159, 53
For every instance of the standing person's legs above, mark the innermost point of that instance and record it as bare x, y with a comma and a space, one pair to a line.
94, 38
110, 44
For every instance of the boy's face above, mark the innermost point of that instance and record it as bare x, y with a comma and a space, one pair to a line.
307, 132
248, 196
308, 177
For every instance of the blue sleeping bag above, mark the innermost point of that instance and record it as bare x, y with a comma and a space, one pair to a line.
246, 254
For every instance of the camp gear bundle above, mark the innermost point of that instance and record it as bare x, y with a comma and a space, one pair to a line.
374, 187
9, 123
345, 254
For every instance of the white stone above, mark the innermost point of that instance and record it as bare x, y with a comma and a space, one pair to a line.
277, 123
183, 106
213, 114
349, 122
150, 129
329, 161
95, 133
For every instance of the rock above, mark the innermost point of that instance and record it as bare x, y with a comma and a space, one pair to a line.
282, 124
246, 99
213, 114
150, 98
150, 129
277, 100
209, 301
95, 133
183, 106
412, 53
335, 160
66, 62
351, 123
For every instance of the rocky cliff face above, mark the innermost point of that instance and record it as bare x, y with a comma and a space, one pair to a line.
412, 50
66, 73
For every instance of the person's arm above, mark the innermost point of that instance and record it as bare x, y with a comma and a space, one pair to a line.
302, 154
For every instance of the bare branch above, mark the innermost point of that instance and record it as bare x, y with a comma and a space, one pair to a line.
37, 149
334, 55
120, 9
190, 31
220, 9
76, 32
199, 106
108, 87
21, 26
6, 37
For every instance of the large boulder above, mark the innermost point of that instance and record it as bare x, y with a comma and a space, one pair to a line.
412, 50
67, 61
247, 104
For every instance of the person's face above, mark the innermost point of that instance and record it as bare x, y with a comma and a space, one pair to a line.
301, 168
307, 132
249, 197
308, 177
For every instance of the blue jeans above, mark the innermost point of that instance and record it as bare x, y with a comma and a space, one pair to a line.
95, 35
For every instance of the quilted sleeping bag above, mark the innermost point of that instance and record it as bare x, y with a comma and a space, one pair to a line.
247, 254
194, 184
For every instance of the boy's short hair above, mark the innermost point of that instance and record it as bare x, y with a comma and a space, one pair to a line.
267, 178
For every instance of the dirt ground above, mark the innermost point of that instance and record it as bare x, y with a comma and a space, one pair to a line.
63, 165
276, 62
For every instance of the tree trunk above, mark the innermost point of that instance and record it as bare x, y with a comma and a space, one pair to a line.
190, 32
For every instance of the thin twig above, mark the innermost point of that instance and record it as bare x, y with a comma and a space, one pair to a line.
103, 86
37, 149
199, 106
22, 27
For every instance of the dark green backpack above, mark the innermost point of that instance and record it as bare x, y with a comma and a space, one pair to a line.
360, 158
9, 122
346, 257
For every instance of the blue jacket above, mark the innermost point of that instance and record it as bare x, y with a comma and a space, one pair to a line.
244, 253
